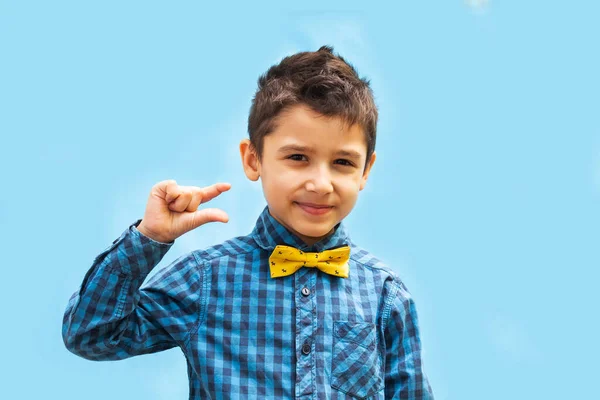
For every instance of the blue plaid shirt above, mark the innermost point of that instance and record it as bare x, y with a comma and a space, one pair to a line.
246, 335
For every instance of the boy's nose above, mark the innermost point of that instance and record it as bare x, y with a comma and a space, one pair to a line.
320, 182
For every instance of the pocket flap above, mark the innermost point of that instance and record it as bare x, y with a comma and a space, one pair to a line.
362, 333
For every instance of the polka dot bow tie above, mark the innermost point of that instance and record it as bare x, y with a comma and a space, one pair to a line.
285, 260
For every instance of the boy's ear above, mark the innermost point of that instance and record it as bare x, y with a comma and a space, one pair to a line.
363, 180
249, 160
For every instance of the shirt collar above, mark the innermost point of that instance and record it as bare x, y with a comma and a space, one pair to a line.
268, 233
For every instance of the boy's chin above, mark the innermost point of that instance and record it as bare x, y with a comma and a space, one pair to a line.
314, 233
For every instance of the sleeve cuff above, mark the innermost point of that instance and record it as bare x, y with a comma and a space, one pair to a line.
135, 260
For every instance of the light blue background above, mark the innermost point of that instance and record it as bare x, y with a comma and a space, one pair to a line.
484, 197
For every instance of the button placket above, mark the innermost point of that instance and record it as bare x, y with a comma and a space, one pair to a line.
305, 322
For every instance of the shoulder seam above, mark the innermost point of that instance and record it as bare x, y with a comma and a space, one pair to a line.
388, 304
220, 254
205, 260
384, 267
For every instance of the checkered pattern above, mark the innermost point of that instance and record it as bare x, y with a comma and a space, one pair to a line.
246, 335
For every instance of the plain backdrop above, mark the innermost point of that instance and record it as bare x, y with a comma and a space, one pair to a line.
484, 197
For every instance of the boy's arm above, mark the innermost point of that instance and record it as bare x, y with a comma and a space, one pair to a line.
111, 318
404, 376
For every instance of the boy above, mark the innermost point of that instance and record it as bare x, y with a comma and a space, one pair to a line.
292, 310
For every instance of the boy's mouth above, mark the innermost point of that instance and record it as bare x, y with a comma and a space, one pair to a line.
315, 209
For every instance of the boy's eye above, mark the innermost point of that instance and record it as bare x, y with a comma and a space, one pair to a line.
296, 157
344, 162
302, 157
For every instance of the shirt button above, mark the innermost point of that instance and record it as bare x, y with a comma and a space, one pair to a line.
306, 348
305, 291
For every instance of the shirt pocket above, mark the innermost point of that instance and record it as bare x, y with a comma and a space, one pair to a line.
355, 361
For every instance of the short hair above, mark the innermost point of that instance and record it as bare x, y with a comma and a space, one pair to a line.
324, 82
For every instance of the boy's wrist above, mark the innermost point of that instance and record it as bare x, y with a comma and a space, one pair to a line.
157, 238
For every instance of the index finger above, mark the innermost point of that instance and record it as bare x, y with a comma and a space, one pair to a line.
210, 192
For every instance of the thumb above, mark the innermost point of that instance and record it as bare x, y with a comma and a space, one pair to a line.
192, 220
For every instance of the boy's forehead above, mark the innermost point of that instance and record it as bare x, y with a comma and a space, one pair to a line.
302, 126
302, 115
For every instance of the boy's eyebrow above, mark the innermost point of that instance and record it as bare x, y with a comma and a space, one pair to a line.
304, 149
349, 154
294, 147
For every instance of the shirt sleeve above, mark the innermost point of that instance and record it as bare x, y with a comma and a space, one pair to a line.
404, 376
112, 316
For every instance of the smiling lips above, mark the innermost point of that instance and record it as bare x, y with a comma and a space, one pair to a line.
315, 209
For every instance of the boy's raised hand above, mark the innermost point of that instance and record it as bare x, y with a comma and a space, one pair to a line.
172, 209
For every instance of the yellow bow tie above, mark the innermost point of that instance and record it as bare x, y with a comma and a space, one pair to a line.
285, 260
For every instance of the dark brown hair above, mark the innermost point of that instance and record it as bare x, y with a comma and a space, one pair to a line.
325, 82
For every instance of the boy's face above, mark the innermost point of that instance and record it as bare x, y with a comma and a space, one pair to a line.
311, 170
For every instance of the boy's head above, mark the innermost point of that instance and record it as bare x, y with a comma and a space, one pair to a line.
312, 129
